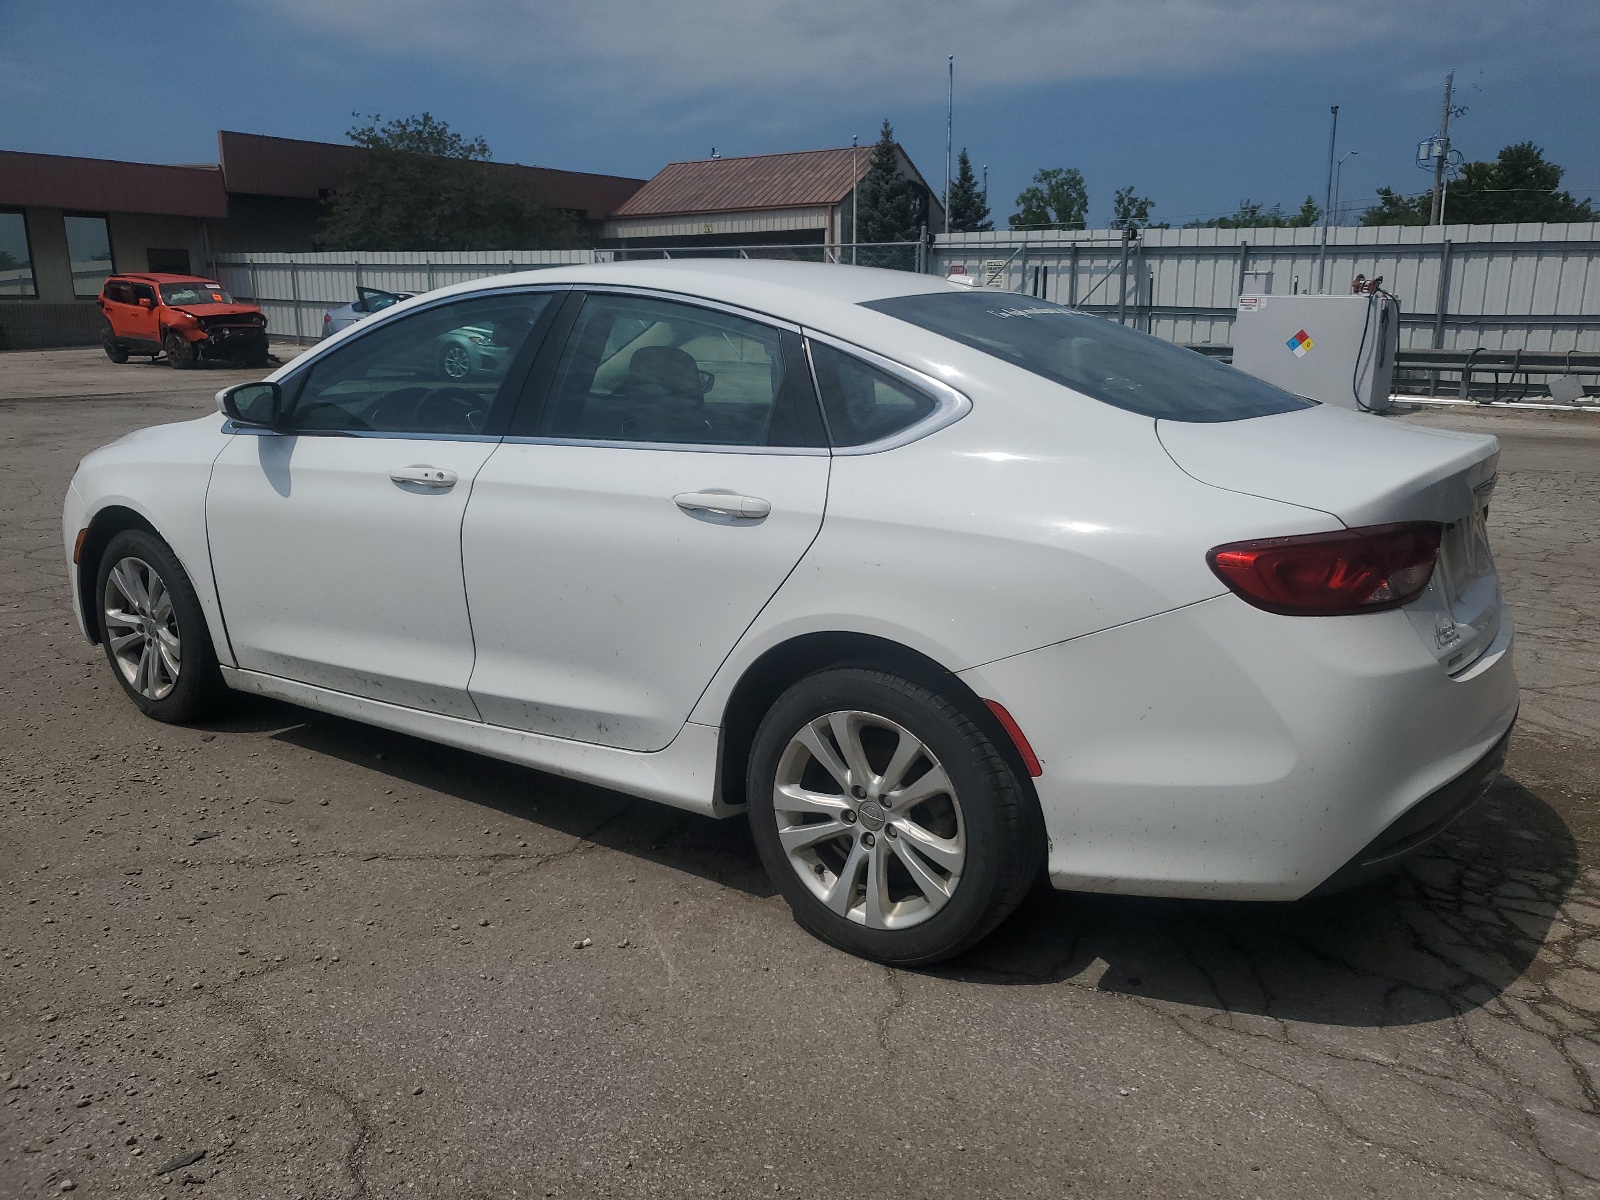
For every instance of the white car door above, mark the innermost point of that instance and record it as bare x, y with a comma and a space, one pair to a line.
651, 498
336, 540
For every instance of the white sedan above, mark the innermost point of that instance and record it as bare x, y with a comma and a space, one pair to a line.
942, 589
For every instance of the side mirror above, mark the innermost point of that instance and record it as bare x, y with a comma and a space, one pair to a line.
259, 405
146, 302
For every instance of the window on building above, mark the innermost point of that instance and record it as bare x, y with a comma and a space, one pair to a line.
16, 262
89, 247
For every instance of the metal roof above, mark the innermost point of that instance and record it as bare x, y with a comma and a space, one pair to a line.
801, 179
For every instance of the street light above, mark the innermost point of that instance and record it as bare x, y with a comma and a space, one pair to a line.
1337, 170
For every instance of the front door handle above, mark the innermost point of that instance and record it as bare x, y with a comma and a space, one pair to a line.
423, 476
726, 504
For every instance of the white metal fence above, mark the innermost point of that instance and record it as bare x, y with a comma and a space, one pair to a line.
1495, 287
1499, 287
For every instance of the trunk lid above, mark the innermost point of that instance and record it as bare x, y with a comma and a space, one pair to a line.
1367, 470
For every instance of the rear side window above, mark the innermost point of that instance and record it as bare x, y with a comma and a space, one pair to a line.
1113, 364
863, 404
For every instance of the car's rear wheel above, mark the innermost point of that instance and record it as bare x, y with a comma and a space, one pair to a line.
180, 352
115, 350
890, 822
154, 632
455, 361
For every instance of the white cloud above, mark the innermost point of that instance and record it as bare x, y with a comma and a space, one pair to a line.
832, 53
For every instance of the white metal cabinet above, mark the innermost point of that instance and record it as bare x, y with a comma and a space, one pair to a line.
334, 573
600, 607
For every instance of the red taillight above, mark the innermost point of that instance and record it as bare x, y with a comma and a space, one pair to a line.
1332, 574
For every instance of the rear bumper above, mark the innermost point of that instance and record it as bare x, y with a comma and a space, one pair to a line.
1419, 825
1221, 752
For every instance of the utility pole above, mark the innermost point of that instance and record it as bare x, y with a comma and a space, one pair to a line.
949, 138
855, 180
1327, 199
1441, 157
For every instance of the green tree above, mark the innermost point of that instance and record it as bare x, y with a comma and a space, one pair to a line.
422, 186
1130, 210
1057, 199
1520, 185
969, 209
10, 262
1253, 215
1395, 209
890, 205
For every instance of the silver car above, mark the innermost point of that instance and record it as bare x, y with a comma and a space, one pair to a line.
458, 354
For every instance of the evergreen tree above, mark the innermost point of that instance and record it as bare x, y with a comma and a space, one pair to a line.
890, 207
422, 186
1057, 199
969, 209
1130, 210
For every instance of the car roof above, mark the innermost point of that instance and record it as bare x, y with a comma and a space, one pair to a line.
155, 277
822, 295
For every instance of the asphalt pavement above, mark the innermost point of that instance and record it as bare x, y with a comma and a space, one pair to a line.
285, 955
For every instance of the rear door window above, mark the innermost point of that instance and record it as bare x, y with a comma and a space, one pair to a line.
641, 370
1110, 362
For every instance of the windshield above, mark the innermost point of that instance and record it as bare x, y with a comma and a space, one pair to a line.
1095, 356
194, 293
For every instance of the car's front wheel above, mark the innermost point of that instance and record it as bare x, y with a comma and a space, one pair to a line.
890, 822
455, 361
180, 352
154, 632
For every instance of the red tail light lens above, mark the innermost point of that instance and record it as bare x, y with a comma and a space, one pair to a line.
1371, 569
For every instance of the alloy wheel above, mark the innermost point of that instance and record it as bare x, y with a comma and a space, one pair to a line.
869, 820
457, 362
142, 628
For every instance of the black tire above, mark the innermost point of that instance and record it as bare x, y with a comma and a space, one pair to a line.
115, 350
197, 690
180, 352
993, 814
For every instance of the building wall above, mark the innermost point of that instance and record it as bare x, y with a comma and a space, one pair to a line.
770, 220
134, 234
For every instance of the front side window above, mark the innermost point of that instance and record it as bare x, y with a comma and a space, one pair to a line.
16, 260
1110, 362
656, 371
862, 403
187, 295
89, 247
436, 371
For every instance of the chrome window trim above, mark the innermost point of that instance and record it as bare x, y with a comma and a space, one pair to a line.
233, 427
693, 447
949, 404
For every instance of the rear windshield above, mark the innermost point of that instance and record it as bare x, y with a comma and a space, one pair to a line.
1092, 355
194, 293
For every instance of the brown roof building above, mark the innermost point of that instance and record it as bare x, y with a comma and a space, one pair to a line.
66, 223
800, 197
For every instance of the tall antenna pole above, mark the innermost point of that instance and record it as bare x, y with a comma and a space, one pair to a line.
1442, 153
855, 179
1327, 200
949, 138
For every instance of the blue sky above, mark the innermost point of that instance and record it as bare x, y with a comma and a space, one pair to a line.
1197, 103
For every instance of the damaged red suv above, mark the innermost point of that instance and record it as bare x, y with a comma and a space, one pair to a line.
185, 317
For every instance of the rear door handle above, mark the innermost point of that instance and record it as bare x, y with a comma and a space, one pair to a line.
749, 508
423, 476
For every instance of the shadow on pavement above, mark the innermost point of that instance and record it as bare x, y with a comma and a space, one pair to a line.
720, 851
1450, 931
